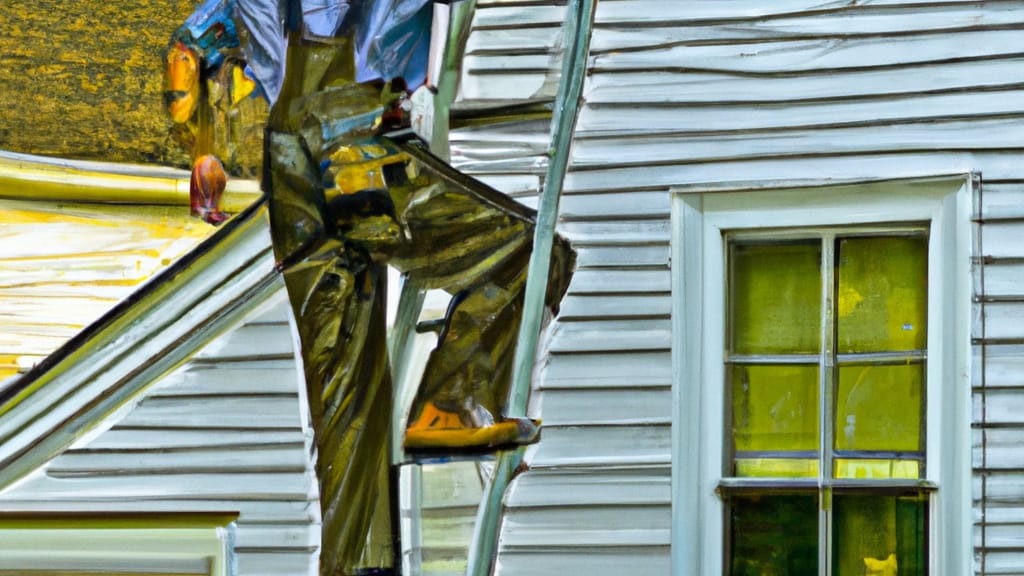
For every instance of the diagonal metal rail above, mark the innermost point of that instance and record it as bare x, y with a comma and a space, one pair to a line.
576, 30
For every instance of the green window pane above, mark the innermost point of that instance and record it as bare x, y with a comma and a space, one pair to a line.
777, 467
776, 298
879, 408
880, 535
882, 294
773, 534
877, 469
774, 407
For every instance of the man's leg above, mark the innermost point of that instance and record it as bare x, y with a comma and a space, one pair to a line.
478, 250
338, 299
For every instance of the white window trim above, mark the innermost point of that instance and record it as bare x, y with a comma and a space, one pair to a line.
111, 550
699, 218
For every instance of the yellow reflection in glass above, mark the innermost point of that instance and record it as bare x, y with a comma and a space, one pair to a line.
776, 298
775, 407
879, 408
777, 467
880, 535
882, 296
877, 469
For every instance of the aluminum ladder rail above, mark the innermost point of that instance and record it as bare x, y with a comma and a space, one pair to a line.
576, 31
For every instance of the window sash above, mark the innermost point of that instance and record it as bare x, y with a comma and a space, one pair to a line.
827, 360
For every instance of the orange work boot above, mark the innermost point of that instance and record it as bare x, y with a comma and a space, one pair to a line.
438, 431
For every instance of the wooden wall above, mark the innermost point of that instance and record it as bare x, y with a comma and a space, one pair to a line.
707, 92
225, 432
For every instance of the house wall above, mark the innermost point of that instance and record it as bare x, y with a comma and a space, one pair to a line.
708, 93
222, 433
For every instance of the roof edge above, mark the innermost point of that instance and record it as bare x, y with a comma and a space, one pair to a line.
31, 177
113, 361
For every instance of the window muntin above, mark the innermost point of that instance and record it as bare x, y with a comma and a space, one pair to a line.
825, 400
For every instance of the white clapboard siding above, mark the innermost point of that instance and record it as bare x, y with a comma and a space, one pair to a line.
702, 95
222, 433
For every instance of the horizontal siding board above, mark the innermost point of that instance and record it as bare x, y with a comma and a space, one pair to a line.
1002, 199
621, 256
821, 54
1003, 562
865, 22
247, 486
1003, 365
253, 536
624, 232
615, 206
521, 85
510, 40
1001, 280
1001, 406
614, 369
1003, 239
635, 118
584, 525
1003, 321
518, 16
512, 184
701, 11
590, 488
260, 377
284, 458
1005, 487
553, 561
932, 134
616, 306
667, 88
274, 563
295, 513
577, 407
809, 170
1003, 449
612, 335
620, 281
273, 412
164, 438
604, 446
273, 340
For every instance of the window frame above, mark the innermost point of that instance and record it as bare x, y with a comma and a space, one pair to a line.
115, 542
700, 217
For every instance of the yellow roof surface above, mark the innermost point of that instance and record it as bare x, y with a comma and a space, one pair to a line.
62, 265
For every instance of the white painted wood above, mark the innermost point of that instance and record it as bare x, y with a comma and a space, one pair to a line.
649, 486
595, 256
702, 220
218, 434
640, 445
782, 94
554, 561
634, 119
613, 369
606, 406
615, 307
826, 53
643, 88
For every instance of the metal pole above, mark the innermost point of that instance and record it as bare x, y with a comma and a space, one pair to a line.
578, 24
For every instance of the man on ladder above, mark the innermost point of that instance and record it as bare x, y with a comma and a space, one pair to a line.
349, 196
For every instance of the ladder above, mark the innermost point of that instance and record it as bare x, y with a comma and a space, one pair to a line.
576, 33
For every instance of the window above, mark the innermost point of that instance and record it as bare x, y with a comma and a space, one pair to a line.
824, 382
821, 342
